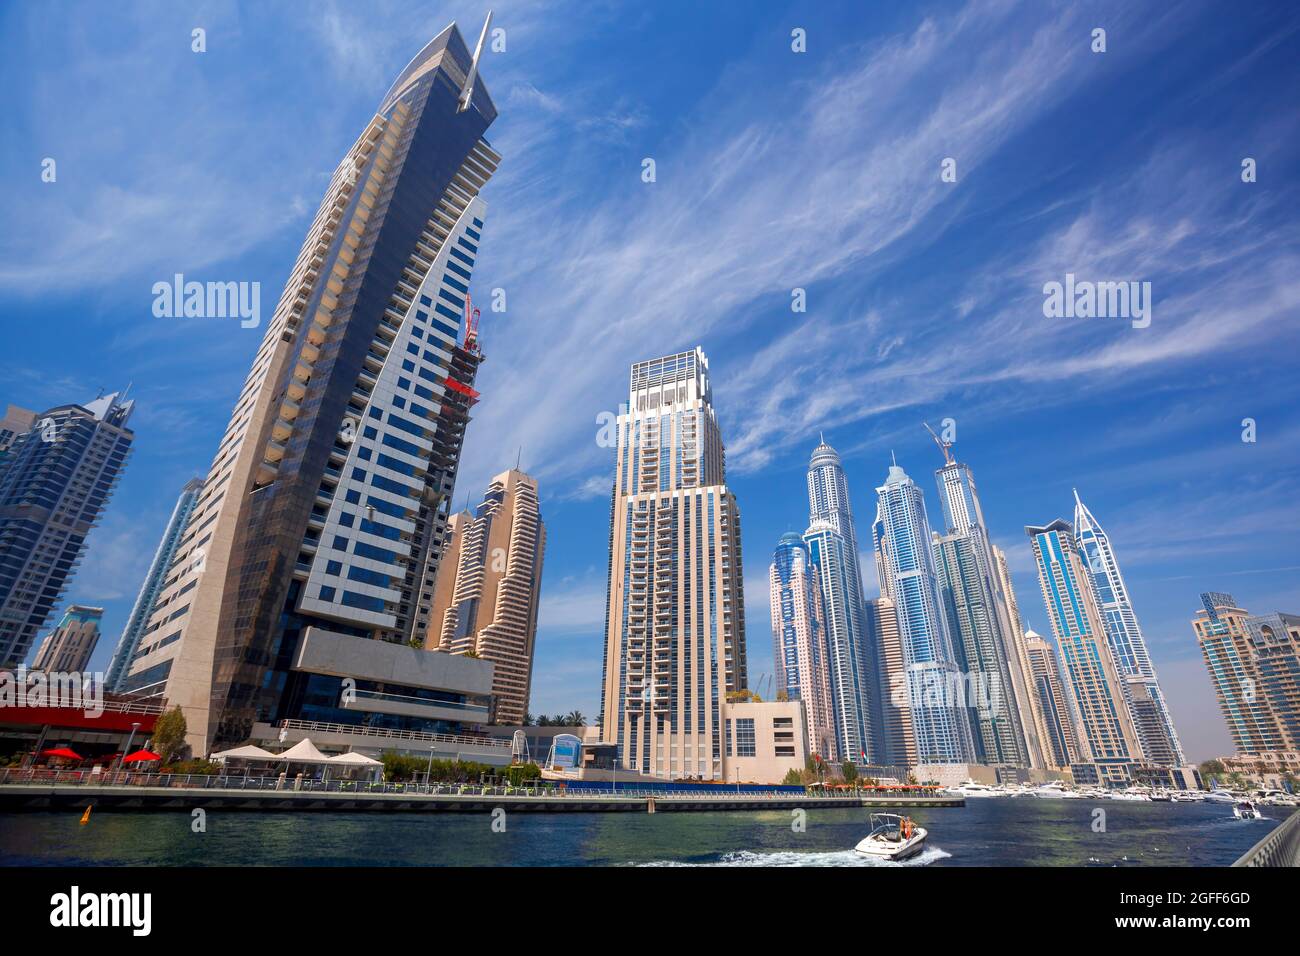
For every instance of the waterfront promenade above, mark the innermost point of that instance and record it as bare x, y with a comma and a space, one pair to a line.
27, 791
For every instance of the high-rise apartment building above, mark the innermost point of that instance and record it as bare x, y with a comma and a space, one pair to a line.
936, 688
55, 481
1275, 642
1155, 725
799, 641
17, 421
833, 544
897, 740
1228, 647
1032, 717
1054, 703
159, 568
485, 598
317, 533
675, 628
69, 646
1108, 742
979, 618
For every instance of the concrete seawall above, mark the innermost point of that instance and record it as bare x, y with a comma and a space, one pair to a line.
38, 798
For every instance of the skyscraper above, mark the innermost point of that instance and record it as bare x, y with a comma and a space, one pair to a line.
159, 568
1032, 717
325, 508
936, 688
833, 544
55, 481
675, 628
1275, 643
799, 640
1108, 741
17, 421
979, 617
1054, 702
897, 739
1155, 725
1226, 643
485, 598
69, 646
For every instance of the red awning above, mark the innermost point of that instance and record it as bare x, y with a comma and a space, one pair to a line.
141, 755
64, 752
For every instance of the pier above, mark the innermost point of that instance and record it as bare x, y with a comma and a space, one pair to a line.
146, 792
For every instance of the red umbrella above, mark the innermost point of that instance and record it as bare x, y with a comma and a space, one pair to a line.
64, 752
141, 755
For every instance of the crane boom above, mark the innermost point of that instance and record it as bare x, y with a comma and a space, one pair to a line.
944, 446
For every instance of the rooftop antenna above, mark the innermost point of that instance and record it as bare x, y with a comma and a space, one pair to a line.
944, 446
467, 91
892, 459
518, 455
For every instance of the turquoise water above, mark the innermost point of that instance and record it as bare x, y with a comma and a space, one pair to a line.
998, 832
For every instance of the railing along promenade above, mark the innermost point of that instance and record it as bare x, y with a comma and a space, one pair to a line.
41, 789
1280, 848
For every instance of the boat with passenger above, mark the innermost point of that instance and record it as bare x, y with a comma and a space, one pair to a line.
892, 837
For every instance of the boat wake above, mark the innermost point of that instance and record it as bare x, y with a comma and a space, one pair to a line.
930, 854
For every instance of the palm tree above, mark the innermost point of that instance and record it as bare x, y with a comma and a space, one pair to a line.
576, 718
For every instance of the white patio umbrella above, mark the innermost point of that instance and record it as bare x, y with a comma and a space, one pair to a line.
246, 752
304, 751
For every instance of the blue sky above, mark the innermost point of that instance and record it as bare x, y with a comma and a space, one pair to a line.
775, 170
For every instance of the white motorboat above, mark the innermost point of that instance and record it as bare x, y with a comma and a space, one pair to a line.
1132, 796
1245, 810
892, 838
972, 789
1055, 790
1221, 796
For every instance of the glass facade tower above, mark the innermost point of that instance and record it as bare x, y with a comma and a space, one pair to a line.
935, 688
1108, 743
1154, 722
153, 582
833, 543
55, 481
799, 640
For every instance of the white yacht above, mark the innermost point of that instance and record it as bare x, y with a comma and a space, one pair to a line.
892, 838
1130, 795
1055, 790
972, 789
1222, 796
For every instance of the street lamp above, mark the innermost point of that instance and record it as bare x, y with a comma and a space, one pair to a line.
135, 725
428, 774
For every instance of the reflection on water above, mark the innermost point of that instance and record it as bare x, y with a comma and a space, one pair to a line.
1000, 832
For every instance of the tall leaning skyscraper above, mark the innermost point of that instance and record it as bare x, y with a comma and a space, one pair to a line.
1108, 744
324, 511
1155, 725
674, 630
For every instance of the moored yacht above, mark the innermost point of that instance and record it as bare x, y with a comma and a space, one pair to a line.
1055, 790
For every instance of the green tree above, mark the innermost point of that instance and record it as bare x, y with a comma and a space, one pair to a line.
576, 718
169, 734
792, 777
850, 771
